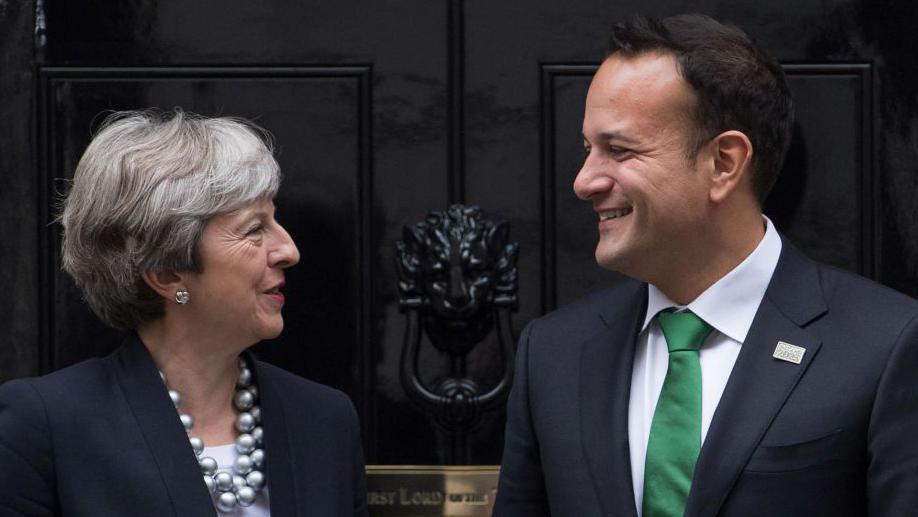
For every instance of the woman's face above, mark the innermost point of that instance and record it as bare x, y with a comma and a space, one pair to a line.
243, 256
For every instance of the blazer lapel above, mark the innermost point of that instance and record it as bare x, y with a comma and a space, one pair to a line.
759, 384
156, 416
282, 491
605, 386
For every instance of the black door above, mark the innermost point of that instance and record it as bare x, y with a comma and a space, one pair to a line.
383, 111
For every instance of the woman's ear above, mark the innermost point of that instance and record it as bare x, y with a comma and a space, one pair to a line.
164, 283
732, 152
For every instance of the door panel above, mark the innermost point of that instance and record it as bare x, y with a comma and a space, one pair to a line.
383, 111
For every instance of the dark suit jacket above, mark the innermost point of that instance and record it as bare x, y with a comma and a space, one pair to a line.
836, 435
101, 438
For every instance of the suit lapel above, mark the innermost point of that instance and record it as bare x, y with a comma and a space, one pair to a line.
759, 384
172, 454
605, 386
282, 491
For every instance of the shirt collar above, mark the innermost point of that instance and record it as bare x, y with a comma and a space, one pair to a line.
730, 304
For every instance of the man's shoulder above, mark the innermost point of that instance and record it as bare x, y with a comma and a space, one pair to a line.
594, 310
852, 295
846, 299
843, 285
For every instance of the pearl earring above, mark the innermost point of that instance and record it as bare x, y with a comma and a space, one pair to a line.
182, 297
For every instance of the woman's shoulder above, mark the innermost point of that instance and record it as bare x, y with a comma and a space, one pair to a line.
74, 381
300, 391
30, 407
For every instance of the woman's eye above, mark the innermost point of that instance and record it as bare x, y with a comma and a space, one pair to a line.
255, 230
586, 151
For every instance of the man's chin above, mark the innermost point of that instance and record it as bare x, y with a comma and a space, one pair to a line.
608, 259
616, 259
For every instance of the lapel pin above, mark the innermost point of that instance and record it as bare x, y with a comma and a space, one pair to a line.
788, 352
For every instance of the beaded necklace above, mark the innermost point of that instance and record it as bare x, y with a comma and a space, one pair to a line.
241, 486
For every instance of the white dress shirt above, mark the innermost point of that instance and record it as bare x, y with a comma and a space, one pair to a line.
729, 307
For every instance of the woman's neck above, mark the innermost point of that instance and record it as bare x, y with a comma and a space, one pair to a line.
203, 374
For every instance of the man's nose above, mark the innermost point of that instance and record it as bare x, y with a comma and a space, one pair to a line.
591, 179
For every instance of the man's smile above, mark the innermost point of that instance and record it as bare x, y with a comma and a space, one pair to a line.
614, 213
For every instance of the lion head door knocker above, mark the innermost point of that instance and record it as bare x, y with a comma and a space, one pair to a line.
458, 282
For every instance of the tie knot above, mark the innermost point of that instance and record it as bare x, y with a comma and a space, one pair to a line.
683, 330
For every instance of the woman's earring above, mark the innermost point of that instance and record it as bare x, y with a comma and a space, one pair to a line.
182, 297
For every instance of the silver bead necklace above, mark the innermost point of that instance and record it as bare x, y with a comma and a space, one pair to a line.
247, 478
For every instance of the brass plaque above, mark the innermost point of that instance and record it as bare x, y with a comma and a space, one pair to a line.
422, 491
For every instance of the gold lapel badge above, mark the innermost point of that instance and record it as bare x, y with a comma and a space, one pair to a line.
788, 352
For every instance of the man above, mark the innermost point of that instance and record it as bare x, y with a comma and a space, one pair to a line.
732, 376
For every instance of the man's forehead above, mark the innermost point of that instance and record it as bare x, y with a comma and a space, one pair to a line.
642, 75
644, 85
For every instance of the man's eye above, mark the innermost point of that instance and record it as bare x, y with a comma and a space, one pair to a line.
619, 152
586, 151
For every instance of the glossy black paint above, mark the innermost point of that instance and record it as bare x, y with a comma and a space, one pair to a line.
384, 111
19, 322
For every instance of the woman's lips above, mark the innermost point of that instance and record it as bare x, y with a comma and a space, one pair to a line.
276, 294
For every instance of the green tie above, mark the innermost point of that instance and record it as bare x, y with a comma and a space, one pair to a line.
675, 434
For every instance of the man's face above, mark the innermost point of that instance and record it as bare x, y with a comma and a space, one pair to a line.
650, 198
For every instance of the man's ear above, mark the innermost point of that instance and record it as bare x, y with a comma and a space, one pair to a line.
165, 283
732, 153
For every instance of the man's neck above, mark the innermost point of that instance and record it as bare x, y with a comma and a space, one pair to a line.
697, 270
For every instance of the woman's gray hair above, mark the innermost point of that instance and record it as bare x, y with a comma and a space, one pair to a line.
140, 198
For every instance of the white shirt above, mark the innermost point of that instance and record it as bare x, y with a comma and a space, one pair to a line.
226, 456
729, 306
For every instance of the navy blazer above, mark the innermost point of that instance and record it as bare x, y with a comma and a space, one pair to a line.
836, 435
102, 438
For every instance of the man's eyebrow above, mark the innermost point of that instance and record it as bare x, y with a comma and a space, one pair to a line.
606, 136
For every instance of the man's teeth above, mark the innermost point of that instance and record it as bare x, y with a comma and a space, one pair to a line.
612, 214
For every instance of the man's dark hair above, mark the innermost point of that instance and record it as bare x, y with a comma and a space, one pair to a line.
738, 85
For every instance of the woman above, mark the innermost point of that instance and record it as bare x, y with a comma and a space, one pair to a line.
169, 232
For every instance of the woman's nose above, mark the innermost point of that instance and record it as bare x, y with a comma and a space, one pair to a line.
285, 253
